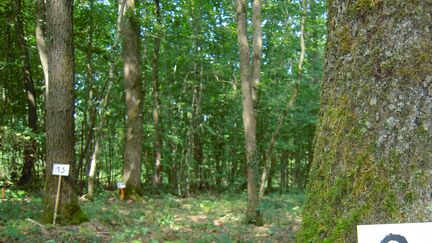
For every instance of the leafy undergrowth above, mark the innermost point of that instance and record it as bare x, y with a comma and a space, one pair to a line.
204, 218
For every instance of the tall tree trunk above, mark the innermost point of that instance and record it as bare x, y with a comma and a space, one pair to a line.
373, 151
282, 171
87, 132
271, 174
290, 102
41, 39
134, 102
197, 150
30, 148
157, 181
256, 49
102, 109
253, 214
274, 137
60, 139
218, 156
198, 90
297, 167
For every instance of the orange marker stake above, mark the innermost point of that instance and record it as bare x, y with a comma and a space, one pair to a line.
121, 186
122, 194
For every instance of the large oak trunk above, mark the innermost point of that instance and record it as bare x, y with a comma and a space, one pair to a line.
373, 154
60, 139
132, 82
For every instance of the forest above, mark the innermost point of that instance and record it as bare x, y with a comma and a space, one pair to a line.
213, 121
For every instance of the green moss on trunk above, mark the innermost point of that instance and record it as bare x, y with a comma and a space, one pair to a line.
373, 153
133, 193
68, 215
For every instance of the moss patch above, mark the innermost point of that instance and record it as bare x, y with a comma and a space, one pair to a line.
361, 7
372, 154
133, 193
75, 215
68, 215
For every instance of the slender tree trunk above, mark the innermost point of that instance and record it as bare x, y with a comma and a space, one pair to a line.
256, 49
253, 214
192, 154
41, 39
274, 137
91, 109
297, 168
271, 174
40, 34
134, 102
308, 165
234, 170
60, 139
30, 148
88, 123
218, 156
373, 151
196, 119
289, 104
157, 180
198, 156
284, 158
102, 110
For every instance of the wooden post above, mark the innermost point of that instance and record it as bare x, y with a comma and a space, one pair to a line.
57, 200
121, 186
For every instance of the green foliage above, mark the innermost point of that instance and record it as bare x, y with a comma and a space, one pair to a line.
193, 39
198, 58
165, 219
365, 165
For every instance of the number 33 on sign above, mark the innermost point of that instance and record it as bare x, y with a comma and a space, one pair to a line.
61, 169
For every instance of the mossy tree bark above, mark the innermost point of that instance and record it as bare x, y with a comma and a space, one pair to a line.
373, 154
60, 139
134, 100
249, 77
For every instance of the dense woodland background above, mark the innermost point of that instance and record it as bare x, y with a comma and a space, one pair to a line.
198, 94
203, 107
160, 95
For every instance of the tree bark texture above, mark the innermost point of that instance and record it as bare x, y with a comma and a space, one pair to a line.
253, 215
41, 38
60, 139
256, 48
373, 153
134, 100
30, 147
157, 136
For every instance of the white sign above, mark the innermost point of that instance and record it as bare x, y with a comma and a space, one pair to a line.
121, 185
401, 233
61, 169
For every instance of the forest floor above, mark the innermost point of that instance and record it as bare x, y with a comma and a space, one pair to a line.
166, 218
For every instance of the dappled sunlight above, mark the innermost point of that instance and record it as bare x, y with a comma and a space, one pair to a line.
197, 218
167, 218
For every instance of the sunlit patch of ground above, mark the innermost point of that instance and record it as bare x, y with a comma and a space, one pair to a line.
205, 218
